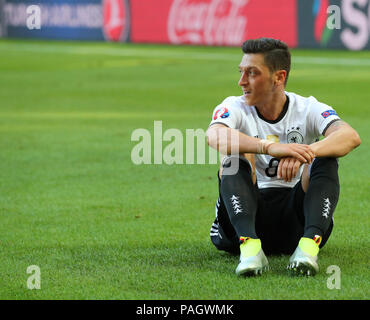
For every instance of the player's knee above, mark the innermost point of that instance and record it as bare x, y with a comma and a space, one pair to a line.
325, 169
232, 164
325, 161
324, 165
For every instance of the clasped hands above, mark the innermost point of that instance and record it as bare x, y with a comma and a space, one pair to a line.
291, 156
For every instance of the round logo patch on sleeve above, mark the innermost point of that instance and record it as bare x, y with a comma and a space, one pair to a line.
221, 113
329, 113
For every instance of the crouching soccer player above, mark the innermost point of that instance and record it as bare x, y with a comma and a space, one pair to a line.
288, 206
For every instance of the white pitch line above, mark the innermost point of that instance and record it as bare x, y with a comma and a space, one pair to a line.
161, 53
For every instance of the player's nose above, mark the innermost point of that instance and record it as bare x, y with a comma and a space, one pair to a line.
243, 79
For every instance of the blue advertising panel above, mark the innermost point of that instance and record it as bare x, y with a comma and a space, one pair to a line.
67, 19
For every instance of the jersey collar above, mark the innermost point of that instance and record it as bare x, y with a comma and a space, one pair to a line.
281, 115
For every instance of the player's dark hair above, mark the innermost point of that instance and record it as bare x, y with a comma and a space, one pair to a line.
276, 53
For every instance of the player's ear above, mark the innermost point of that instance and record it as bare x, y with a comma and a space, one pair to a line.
280, 77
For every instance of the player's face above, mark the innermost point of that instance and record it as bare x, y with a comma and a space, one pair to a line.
255, 79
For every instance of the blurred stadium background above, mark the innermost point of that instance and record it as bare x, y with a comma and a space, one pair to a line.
77, 77
303, 24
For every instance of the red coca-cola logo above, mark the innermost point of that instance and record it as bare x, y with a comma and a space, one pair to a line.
211, 22
116, 20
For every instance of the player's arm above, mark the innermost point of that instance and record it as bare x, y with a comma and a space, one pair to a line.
229, 141
340, 139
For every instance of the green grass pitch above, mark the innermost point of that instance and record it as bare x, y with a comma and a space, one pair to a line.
98, 226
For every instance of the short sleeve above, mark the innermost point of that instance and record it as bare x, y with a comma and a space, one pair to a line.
321, 116
227, 113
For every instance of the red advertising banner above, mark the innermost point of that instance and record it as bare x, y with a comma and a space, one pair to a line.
116, 20
213, 22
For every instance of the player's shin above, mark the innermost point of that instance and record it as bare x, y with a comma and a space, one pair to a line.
319, 204
321, 197
240, 197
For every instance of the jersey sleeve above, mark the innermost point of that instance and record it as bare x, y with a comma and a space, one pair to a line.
228, 114
321, 116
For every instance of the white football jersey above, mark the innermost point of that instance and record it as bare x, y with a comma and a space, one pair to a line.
303, 120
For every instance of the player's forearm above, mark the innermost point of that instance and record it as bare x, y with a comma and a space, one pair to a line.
337, 144
231, 141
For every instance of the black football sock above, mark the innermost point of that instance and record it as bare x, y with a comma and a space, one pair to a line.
239, 196
223, 216
321, 197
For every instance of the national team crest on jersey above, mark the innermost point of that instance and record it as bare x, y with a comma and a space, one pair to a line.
221, 113
294, 136
329, 113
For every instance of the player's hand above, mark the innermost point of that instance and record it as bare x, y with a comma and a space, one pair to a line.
301, 152
288, 168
